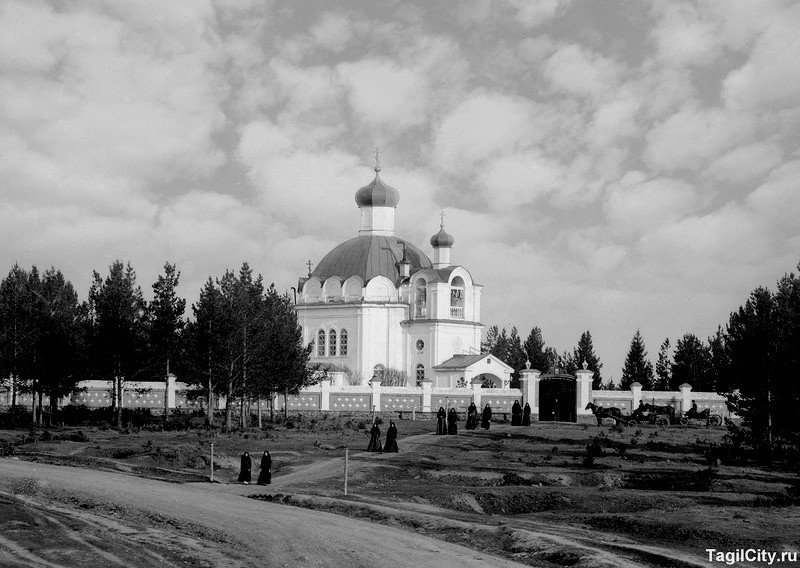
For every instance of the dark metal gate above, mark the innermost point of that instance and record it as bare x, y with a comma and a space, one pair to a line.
557, 398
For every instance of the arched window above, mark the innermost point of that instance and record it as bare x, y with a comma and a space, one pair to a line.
379, 372
332, 343
421, 298
321, 343
457, 298
343, 343
420, 373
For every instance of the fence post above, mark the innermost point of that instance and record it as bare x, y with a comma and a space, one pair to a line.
346, 457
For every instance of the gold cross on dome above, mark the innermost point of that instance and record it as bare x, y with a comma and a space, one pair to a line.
442, 216
309, 267
377, 159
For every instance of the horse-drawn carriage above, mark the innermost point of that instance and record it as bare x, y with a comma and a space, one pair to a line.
660, 416
693, 416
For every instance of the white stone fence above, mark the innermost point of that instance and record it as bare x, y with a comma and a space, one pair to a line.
377, 398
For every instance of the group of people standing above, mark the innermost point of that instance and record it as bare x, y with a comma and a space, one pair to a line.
447, 422
375, 439
246, 467
520, 416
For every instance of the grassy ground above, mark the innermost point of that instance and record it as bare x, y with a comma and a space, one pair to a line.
642, 486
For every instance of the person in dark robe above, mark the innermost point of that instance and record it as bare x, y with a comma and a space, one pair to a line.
265, 476
441, 421
245, 469
472, 417
486, 418
375, 439
452, 421
526, 415
391, 439
516, 414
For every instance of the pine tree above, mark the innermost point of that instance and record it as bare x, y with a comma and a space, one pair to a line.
117, 314
663, 378
166, 325
205, 344
585, 352
535, 350
692, 364
18, 332
286, 355
61, 344
637, 368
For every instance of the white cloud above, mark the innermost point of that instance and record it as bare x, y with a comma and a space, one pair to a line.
771, 75
692, 136
483, 125
637, 205
685, 36
384, 95
534, 14
575, 70
745, 163
332, 32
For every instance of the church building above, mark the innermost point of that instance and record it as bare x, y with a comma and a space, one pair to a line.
377, 302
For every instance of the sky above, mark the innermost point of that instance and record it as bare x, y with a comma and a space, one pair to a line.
604, 166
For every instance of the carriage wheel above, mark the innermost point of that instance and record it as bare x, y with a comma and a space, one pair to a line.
715, 420
684, 421
662, 422
631, 423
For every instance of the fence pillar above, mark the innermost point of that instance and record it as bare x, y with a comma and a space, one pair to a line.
170, 391
584, 391
376, 394
476, 392
636, 395
427, 386
325, 394
686, 396
529, 383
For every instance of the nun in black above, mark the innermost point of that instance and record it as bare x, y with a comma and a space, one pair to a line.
526, 415
391, 439
441, 421
486, 419
516, 414
265, 476
245, 469
472, 416
452, 421
375, 439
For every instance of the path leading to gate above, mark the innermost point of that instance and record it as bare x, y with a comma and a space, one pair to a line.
605, 547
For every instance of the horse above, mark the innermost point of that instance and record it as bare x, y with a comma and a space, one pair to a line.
600, 412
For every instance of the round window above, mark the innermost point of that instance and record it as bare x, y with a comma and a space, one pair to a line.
420, 345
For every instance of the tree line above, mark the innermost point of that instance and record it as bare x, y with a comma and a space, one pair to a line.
752, 360
243, 341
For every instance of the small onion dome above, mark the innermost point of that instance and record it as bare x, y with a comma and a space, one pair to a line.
442, 239
377, 193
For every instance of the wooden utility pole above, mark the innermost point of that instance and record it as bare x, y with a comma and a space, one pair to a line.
346, 457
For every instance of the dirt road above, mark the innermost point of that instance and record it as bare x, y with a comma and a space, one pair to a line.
261, 533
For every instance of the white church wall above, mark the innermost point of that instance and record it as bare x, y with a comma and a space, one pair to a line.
382, 337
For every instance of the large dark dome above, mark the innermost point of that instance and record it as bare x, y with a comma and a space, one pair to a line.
369, 256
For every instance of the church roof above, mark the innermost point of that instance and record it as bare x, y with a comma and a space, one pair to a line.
377, 193
369, 256
461, 361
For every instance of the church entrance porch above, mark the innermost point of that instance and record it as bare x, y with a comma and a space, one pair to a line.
557, 396
490, 381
